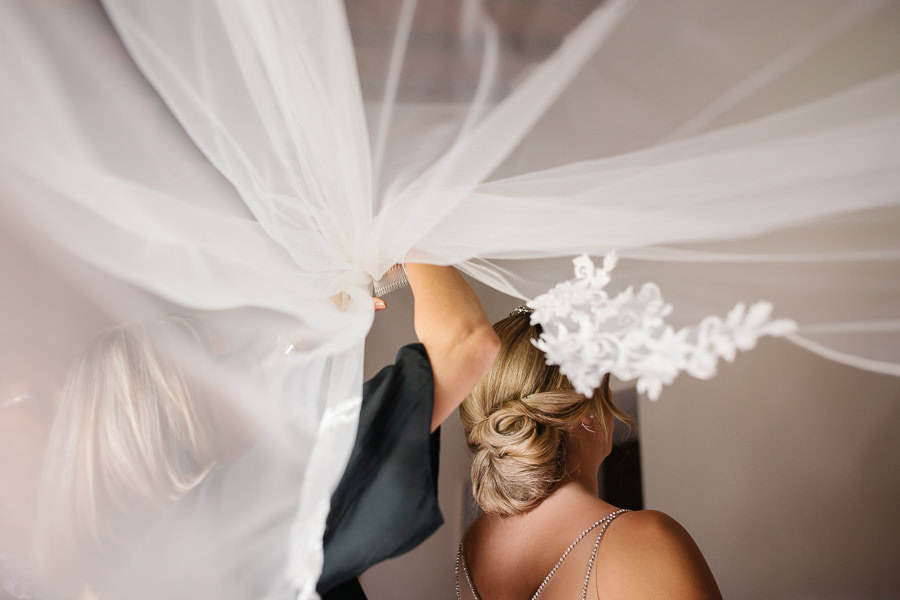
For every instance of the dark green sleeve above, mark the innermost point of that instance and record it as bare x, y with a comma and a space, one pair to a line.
386, 502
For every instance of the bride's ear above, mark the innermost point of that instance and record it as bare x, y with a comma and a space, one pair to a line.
587, 422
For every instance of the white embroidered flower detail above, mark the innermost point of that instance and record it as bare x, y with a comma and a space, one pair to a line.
588, 333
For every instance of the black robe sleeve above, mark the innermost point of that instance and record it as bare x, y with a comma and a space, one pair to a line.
386, 502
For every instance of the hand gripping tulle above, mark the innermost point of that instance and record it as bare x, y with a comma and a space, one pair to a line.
587, 333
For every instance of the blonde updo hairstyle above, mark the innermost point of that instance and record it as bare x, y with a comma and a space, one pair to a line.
518, 421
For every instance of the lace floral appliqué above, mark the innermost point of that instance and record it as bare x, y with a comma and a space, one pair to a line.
588, 333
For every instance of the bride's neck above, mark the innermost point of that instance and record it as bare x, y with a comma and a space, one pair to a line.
572, 497
568, 494
579, 488
573, 488
582, 478
579, 485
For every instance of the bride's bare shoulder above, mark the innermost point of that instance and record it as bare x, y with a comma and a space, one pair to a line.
648, 554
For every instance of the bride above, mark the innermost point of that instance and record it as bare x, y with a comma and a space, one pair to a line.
537, 446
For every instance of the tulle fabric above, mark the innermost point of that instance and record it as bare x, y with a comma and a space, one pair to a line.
257, 165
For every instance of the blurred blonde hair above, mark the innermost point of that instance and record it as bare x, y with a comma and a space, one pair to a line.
127, 439
517, 422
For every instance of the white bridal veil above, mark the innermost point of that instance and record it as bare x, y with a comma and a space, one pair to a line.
196, 197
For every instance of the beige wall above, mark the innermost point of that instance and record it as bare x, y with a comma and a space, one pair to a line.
784, 468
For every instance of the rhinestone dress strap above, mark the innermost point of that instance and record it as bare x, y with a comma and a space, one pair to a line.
609, 519
462, 559
603, 523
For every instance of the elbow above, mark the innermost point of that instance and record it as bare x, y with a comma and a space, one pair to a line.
459, 366
485, 346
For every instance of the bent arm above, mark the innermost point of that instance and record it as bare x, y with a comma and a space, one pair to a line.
455, 331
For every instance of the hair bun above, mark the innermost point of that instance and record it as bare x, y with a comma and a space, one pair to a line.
514, 452
510, 425
517, 422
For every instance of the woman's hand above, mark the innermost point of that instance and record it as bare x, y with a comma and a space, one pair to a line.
378, 303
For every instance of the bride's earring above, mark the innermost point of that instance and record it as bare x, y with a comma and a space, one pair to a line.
586, 428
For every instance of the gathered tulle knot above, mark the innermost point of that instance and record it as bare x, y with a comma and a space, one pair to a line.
351, 279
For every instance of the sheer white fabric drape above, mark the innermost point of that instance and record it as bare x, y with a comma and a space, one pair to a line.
258, 164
